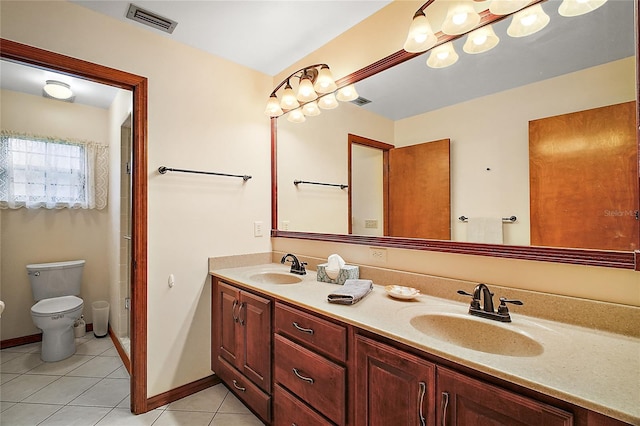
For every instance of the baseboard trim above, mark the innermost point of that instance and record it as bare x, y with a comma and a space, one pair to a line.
24, 340
123, 355
182, 391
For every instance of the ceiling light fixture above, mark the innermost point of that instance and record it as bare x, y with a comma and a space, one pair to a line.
57, 90
442, 56
421, 37
481, 40
461, 18
528, 21
507, 7
570, 8
315, 90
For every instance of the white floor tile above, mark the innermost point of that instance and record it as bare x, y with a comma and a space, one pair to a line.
24, 386
110, 352
120, 373
60, 368
232, 404
184, 418
94, 346
63, 390
76, 416
106, 393
8, 356
208, 400
21, 364
124, 417
224, 419
27, 414
125, 403
100, 366
4, 405
5, 377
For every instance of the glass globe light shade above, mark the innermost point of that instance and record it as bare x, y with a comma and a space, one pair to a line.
305, 91
481, 40
311, 109
273, 107
347, 93
528, 21
328, 101
506, 7
296, 116
421, 37
324, 82
289, 100
58, 89
442, 56
571, 8
461, 17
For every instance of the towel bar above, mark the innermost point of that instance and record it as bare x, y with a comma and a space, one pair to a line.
510, 219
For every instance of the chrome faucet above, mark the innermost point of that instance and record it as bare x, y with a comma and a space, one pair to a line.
297, 267
482, 304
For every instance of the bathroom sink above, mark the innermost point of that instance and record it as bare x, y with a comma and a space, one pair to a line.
477, 334
276, 278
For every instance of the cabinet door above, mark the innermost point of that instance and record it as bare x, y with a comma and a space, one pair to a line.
228, 323
392, 387
255, 322
464, 401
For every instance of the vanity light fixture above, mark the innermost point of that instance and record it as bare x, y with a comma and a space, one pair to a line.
442, 56
579, 7
528, 21
57, 90
315, 90
461, 18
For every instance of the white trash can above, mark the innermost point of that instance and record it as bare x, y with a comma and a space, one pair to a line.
100, 310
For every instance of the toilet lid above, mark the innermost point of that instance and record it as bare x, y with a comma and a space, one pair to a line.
56, 305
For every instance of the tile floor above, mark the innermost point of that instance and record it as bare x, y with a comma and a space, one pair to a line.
92, 388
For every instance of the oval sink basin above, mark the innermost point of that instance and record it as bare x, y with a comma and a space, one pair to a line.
477, 334
276, 278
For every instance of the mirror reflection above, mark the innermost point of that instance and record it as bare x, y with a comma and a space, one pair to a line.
500, 111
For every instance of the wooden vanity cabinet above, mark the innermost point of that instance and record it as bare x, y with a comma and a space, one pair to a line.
393, 387
242, 345
309, 368
464, 401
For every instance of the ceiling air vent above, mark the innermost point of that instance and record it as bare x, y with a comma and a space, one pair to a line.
151, 19
360, 101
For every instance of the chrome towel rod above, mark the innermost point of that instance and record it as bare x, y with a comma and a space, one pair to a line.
162, 170
504, 219
296, 182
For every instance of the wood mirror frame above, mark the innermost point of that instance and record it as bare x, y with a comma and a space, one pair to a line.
17, 52
603, 258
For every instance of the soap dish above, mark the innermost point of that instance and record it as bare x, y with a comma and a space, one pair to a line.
401, 292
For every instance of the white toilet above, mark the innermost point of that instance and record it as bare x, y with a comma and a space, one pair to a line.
55, 289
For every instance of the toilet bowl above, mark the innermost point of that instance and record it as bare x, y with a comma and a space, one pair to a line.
55, 288
55, 317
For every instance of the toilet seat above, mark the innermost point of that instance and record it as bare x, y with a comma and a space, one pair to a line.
56, 305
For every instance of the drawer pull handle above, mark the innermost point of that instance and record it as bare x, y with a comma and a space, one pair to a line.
444, 404
233, 310
421, 393
240, 388
301, 377
304, 330
242, 321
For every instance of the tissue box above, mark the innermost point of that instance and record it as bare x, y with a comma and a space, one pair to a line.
347, 272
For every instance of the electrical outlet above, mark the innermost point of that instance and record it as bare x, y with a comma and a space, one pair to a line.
285, 225
371, 223
378, 254
257, 229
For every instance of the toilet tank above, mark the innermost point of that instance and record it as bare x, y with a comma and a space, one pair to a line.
55, 279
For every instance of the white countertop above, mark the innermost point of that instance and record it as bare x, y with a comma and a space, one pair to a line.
596, 370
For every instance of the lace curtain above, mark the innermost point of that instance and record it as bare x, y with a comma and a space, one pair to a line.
51, 173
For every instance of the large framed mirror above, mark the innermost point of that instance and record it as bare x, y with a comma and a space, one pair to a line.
491, 107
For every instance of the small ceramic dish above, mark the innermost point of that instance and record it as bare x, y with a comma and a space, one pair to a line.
401, 292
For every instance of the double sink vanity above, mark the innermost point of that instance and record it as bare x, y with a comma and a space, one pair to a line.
296, 359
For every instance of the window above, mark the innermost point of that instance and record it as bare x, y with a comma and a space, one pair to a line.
50, 173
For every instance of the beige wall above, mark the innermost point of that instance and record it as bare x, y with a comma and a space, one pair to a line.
40, 235
205, 113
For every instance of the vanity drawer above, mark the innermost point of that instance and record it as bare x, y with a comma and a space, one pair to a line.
321, 335
289, 410
313, 378
249, 393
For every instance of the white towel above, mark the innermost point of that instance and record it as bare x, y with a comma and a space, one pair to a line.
486, 230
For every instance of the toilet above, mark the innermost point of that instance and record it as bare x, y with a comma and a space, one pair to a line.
55, 288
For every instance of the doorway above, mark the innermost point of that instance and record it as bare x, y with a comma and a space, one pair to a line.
29, 55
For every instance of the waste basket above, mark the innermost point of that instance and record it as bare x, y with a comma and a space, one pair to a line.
100, 310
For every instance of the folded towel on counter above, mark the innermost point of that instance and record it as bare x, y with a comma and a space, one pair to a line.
351, 292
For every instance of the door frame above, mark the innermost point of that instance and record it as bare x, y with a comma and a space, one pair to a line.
17, 52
